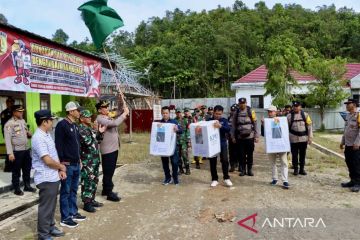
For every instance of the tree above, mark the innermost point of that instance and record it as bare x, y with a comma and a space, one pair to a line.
3, 19
282, 57
328, 89
60, 36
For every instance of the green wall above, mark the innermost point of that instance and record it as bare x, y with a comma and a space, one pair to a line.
32, 105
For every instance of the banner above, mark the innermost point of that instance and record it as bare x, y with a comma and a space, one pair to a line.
276, 135
157, 113
31, 65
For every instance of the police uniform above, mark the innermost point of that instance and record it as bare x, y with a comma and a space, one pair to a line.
232, 146
300, 128
244, 131
16, 140
350, 138
5, 116
90, 159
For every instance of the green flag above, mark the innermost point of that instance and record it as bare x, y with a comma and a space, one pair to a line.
100, 19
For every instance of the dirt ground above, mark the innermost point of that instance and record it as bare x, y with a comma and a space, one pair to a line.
149, 210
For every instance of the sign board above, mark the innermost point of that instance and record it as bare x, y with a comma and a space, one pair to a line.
157, 113
205, 139
163, 139
31, 65
276, 132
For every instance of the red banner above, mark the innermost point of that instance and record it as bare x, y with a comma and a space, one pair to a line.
31, 65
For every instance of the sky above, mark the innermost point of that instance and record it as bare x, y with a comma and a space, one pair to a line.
44, 17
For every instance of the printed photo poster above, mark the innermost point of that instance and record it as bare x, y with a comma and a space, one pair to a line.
34, 65
276, 135
163, 139
205, 139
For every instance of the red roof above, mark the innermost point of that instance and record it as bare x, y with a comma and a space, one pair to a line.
260, 74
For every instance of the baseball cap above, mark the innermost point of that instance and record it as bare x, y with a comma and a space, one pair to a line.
71, 106
43, 114
351, 100
210, 109
242, 100
296, 103
178, 110
272, 108
85, 113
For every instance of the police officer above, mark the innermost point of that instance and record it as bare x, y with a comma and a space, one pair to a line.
5, 116
244, 133
16, 140
351, 142
232, 146
301, 134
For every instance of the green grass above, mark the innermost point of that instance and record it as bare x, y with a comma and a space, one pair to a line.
136, 151
332, 144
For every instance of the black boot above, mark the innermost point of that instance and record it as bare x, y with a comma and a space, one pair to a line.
187, 170
88, 207
28, 188
249, 171
242, 171
181, 170
197, 163
302, 171
296, 171
18, 191
232, 169
113, 197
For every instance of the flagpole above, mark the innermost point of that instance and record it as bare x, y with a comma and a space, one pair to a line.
114, 76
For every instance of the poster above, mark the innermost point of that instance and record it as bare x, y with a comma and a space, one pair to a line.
32, 65
205, 139
163, 139
157, 113
276, 135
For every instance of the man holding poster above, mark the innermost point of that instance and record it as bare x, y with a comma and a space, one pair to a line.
275, 133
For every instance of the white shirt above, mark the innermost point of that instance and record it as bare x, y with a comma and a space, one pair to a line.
42, 145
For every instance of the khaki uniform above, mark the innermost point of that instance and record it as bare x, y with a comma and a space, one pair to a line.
299, 138
299, 126
350, 138
16, 140
244, 130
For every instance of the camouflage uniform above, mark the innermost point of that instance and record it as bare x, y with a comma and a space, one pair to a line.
183, 142
90, 159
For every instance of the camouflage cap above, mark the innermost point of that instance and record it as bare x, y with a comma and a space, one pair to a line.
85, 113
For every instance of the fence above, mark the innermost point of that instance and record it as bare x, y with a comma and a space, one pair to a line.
332, 117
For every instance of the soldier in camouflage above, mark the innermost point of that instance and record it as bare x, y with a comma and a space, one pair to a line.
90, 137
183, 140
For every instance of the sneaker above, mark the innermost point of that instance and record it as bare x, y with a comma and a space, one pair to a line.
166, 182
55, 232
228, 183
274, 182
286, 185
176, 182
97, 204
347, 184
69, 223
77, 217
214, 183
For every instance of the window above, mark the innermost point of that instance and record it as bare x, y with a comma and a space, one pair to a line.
44, 101
257, 101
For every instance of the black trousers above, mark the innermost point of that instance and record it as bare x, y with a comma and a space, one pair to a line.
234, 163
22, 163
108, 162
224, 164
8, 167
245, 149
48, 192
298, 152
352, 159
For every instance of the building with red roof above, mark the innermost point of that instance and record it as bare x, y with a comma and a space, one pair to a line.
251, 86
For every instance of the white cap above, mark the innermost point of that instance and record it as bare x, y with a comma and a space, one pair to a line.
272, 108
71, 106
